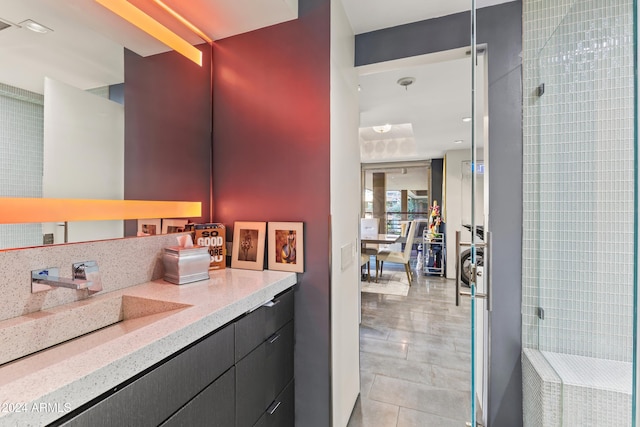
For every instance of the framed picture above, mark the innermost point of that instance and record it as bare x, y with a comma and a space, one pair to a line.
286, 246
149, 227
173, 225
248, 245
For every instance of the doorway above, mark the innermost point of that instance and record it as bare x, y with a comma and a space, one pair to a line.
395, 330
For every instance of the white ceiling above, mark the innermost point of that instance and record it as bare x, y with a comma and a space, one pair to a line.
427, 115
85, 47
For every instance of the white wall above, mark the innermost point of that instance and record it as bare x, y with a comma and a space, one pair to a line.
457, 203
83, 154
345, 211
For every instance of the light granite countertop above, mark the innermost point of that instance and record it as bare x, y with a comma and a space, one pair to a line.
43, 387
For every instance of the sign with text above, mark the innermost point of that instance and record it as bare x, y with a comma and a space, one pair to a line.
212, 235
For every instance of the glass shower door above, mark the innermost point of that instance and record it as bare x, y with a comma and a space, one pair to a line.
583, 217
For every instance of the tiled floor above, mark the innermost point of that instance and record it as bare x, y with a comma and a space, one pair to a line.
414, 358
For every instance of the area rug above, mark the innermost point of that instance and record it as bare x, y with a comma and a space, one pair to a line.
389, 284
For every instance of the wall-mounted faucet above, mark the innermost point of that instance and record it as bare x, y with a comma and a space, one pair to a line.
85, 276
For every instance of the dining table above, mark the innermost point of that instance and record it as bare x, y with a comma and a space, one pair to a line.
381, 239
376, 239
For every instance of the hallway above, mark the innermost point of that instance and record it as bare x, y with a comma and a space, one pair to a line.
414, 358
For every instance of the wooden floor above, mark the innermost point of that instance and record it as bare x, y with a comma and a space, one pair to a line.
414, 358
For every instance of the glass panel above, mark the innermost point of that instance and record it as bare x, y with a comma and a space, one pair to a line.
579, 211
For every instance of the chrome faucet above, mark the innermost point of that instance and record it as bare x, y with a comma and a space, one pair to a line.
49, 278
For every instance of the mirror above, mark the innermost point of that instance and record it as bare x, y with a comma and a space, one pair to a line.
168, 103
61, 96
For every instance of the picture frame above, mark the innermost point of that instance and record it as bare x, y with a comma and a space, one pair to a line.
248, 245
149, 227
173, 225
286, 246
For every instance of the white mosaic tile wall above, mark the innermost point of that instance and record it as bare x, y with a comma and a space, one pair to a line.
21, 139
578, 212
578, 177
543, 391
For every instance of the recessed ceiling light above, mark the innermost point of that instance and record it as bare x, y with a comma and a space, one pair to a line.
466, 119
406, 81
458, 141
32, 25
382, 129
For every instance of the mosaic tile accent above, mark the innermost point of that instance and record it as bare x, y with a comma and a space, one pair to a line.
578, 211
578, 177
21, 163
543, 391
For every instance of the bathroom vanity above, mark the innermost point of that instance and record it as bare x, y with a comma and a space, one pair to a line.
214, 352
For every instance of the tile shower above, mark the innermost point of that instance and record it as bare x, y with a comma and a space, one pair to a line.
578, 183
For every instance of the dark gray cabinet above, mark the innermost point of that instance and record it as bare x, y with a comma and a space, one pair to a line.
260, 324
239, 375
154, 397
281, 412
263, 373
214, 407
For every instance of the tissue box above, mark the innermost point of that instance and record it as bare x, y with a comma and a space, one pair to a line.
185, 265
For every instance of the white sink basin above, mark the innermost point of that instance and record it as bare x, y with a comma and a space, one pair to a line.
37, 331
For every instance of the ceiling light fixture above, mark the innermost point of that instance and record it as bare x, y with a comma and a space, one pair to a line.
406, 81
382, 129
466, 119
184, 21
137, 17
458, 141
32, 25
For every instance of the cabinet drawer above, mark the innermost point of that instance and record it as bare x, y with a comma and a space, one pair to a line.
281, 412
262, 374
255, 327
152, 398
279, 361
214, 407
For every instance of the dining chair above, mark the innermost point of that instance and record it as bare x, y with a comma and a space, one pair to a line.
366, 260
369, 227
399, 257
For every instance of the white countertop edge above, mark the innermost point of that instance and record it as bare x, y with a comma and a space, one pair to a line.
78, 391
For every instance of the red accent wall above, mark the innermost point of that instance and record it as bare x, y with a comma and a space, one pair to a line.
167, 129
271, 163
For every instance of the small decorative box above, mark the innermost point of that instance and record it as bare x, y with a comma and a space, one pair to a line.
185, 265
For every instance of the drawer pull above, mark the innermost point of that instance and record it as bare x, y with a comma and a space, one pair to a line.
274, 338
271, 303
273, 408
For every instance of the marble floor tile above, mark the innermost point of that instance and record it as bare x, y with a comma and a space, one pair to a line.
414, 358
442, 402
384, 348
395, 368
371, 413
413, 418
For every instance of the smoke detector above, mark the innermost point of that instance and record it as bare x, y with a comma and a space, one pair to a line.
406, 81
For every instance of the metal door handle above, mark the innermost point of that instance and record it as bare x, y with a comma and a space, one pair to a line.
474, 270
273, 408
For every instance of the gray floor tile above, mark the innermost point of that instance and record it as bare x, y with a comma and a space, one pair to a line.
384, 348
413, 418
445, 356
443, 402
366, 381
370, 413
414, 358
391, 367
370, 331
